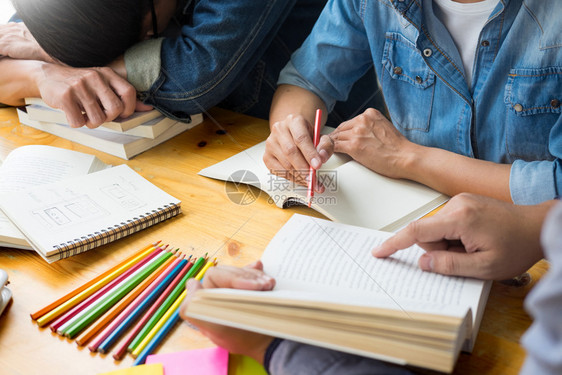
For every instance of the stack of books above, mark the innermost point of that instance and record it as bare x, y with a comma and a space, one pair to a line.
124, 138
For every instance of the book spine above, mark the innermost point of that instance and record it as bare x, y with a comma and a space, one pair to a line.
123, 229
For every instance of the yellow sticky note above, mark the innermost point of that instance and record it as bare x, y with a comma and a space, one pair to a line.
243, 365
153, 369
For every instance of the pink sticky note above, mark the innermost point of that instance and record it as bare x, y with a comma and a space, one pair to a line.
210, 361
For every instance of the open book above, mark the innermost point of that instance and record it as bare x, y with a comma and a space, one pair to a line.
28, 166
354, 194
77, 214
331, 292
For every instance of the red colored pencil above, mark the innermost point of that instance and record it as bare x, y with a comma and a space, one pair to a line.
115, 322
122, 349
63, 299
94, 297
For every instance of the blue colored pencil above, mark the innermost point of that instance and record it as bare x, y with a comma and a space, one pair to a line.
159, 337
116, 334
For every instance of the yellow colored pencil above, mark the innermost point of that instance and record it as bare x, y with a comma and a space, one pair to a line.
169, 312
68, 296
61, 309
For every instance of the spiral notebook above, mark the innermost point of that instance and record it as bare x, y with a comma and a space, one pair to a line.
66, 218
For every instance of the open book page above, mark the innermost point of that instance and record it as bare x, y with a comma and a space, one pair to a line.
37, 165
52, 215
322, 257
354, 194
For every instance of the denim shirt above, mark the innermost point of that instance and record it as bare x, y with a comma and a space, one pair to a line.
228, 52
511, 114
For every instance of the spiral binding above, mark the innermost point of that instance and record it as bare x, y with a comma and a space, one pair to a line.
115, 232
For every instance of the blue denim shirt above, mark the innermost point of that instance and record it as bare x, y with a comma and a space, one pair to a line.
511, 114
228, 53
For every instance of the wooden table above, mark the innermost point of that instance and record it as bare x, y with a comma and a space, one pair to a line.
210, 223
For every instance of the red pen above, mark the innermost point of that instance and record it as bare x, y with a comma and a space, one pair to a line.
312, 171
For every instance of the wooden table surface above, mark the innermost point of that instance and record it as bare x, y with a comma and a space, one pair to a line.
210, 223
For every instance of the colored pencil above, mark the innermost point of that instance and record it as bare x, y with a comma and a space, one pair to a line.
166, 304
122, 281
121, 304
148, 338
168, 325
36, 315
114, 296
122, 348
312, 171
94, 297
151, 341
67, 305
158, 285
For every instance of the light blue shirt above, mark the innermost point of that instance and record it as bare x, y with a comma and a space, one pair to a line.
511, 114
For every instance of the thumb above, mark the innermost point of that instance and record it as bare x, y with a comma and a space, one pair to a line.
141, 107
453, 263
325, 148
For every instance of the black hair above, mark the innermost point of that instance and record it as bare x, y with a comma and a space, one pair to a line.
83, 33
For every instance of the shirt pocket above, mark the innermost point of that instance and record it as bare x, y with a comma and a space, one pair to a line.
408, 84
533, 98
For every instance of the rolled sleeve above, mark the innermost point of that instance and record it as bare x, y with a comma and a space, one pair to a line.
143, 63
534, 182
334, 56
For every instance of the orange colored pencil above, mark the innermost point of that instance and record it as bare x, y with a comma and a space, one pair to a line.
65, 298
64, 307
118, 307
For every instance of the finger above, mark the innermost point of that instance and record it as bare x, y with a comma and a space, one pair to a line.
325, 148
302, 137
436, 245
112, 105
237, 278
257, 265
276, 154
289, 150
192, 286
432, 229
455, 263
95, 116
141, 107
73, 111
124, 90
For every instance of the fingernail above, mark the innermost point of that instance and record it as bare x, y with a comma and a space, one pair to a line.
315, 163
426, 262
265, 279
375, 251
324, 155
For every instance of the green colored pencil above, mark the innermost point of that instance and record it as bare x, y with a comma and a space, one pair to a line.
166, 304
112, 298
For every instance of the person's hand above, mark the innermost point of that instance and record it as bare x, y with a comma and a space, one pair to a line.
290, 151
234, 340
373, 141
88, 96
475, 236
17, 42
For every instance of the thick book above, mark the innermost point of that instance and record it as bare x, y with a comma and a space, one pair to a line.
331, 292
33, 165
354, 194
39, 111
78, 214
118, 144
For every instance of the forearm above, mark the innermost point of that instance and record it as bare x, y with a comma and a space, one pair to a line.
18, 80
452, 173
294, 100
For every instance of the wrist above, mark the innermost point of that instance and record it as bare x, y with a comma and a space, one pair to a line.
410, 163
260, 349
118, 65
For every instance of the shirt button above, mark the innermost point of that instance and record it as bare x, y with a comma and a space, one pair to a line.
419, 79
518, 107
427, 52
555, 103
485, 43
397, 70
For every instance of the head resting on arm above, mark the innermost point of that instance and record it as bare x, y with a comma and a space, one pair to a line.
84, 33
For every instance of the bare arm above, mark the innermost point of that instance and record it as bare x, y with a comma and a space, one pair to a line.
17, 80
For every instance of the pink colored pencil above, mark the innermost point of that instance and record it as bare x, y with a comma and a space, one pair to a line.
122, 349
138, 300
94, 297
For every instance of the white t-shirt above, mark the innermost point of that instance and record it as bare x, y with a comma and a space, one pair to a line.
465, 22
